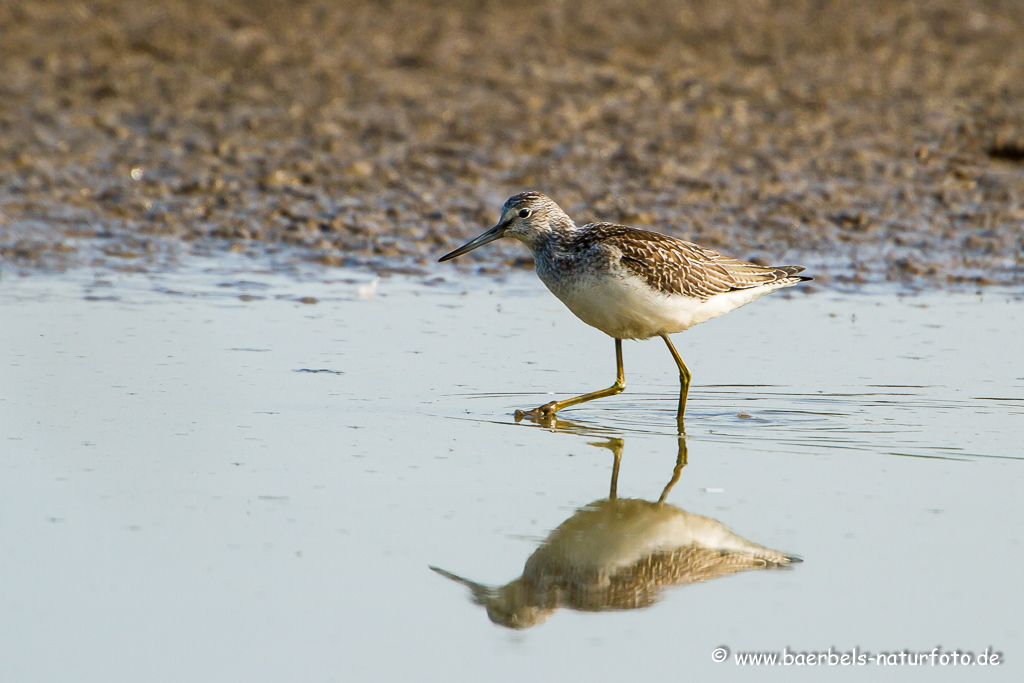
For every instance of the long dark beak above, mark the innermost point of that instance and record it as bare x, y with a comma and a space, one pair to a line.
481, 594
495, 233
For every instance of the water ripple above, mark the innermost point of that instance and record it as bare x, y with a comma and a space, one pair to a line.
906, 421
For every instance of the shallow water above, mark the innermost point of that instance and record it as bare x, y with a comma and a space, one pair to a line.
206, 479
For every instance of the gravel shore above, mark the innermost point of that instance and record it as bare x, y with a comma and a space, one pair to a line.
868, 139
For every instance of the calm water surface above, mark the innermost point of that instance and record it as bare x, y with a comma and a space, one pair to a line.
205, 479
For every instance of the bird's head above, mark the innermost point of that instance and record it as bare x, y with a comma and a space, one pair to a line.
529, 217
515, 605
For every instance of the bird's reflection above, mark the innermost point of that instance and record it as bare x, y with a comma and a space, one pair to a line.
618, 554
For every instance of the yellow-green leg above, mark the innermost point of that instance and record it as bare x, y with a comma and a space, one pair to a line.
681, 460
549, 409
684, 381
616, 447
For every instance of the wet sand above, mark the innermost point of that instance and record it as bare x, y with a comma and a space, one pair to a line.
870, 140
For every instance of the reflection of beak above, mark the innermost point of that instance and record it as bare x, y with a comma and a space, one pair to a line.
481, 594
495, 233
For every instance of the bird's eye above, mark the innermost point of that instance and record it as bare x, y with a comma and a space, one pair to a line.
524, 213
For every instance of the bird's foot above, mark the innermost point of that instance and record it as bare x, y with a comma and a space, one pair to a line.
544, 413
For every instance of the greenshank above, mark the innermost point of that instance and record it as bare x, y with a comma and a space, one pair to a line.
628, 283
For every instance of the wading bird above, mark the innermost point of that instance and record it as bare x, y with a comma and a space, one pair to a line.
628, 283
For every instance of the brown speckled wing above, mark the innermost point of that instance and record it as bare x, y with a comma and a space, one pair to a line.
673, 266
639, 585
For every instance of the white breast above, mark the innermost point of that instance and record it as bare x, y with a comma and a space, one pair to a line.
625, 307
608, 535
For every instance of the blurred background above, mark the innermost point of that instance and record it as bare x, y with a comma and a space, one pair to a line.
869, 139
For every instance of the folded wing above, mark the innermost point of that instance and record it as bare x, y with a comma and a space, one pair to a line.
673, 266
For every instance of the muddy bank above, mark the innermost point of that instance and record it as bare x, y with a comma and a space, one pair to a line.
871, 140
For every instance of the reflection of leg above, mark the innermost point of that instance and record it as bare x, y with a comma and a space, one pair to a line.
684, 381
680, 464
549, 409
616, 446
